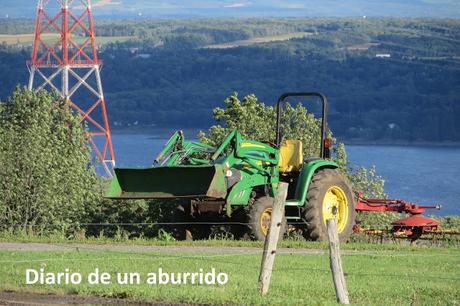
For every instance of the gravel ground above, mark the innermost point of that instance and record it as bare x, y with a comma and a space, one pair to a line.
15, 246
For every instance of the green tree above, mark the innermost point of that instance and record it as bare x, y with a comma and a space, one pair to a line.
46, 181
255, 120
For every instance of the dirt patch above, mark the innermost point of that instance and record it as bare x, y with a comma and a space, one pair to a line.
362, 47
28, 298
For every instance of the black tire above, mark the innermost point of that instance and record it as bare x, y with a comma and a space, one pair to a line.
202, 231
260, 208
190, 227
239, 230
329, 181
180, 229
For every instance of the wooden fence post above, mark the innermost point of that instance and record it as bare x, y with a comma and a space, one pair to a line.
341, 291
271, 240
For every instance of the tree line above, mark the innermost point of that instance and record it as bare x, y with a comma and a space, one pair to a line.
411, 96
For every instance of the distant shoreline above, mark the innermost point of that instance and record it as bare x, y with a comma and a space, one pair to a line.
164, 132
191, 132
389, 142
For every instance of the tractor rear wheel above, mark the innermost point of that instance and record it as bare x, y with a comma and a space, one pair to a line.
330, 195
259, 218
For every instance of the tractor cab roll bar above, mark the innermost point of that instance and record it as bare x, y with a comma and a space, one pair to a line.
279, 114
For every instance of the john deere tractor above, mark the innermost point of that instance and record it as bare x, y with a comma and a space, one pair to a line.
237, 181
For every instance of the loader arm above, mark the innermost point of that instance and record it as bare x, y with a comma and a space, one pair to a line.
178, 151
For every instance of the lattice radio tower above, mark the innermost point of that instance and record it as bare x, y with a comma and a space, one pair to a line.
64, 58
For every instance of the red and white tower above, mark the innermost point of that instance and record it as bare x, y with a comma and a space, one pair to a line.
64, 58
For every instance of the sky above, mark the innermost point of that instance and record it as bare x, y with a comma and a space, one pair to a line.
250, 8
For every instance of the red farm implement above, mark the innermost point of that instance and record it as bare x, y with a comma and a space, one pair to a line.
412, 226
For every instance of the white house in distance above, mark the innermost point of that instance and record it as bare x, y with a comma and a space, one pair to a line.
383, 55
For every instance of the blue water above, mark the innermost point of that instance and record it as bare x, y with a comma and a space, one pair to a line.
421, 174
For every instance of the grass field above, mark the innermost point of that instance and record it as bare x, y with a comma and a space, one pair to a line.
258, 40
384, 276
27, 39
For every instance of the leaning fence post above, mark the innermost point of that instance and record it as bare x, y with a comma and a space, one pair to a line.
341, 291
271, 240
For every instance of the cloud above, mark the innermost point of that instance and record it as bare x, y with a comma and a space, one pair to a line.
295, 6
98, 3
236, 5
101, 3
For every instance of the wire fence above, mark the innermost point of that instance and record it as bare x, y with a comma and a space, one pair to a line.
371, 229
380, 233
367, 225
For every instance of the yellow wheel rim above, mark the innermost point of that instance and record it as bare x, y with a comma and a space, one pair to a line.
335, 205
265, 220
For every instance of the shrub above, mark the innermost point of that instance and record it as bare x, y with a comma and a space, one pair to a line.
46, 181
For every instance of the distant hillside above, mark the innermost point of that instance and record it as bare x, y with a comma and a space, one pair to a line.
386, 78
253, 8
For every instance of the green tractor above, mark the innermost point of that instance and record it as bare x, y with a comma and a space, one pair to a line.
237, 181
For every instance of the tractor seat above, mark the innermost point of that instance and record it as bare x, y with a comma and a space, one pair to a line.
291, 157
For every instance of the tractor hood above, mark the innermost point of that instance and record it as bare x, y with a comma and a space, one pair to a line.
168, 182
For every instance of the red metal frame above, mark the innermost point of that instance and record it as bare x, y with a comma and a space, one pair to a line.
412, 226
395, 205
67, 58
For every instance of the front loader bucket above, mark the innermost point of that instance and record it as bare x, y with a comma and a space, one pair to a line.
168, 182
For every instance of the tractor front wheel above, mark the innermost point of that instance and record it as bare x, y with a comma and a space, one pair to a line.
259, 218
329, 196
187, 227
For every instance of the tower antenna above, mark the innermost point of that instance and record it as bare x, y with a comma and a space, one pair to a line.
64, 58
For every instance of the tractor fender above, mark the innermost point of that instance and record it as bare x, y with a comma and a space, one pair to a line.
308, 170
240, 192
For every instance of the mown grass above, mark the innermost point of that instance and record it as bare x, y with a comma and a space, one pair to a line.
258, 40
388, 276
